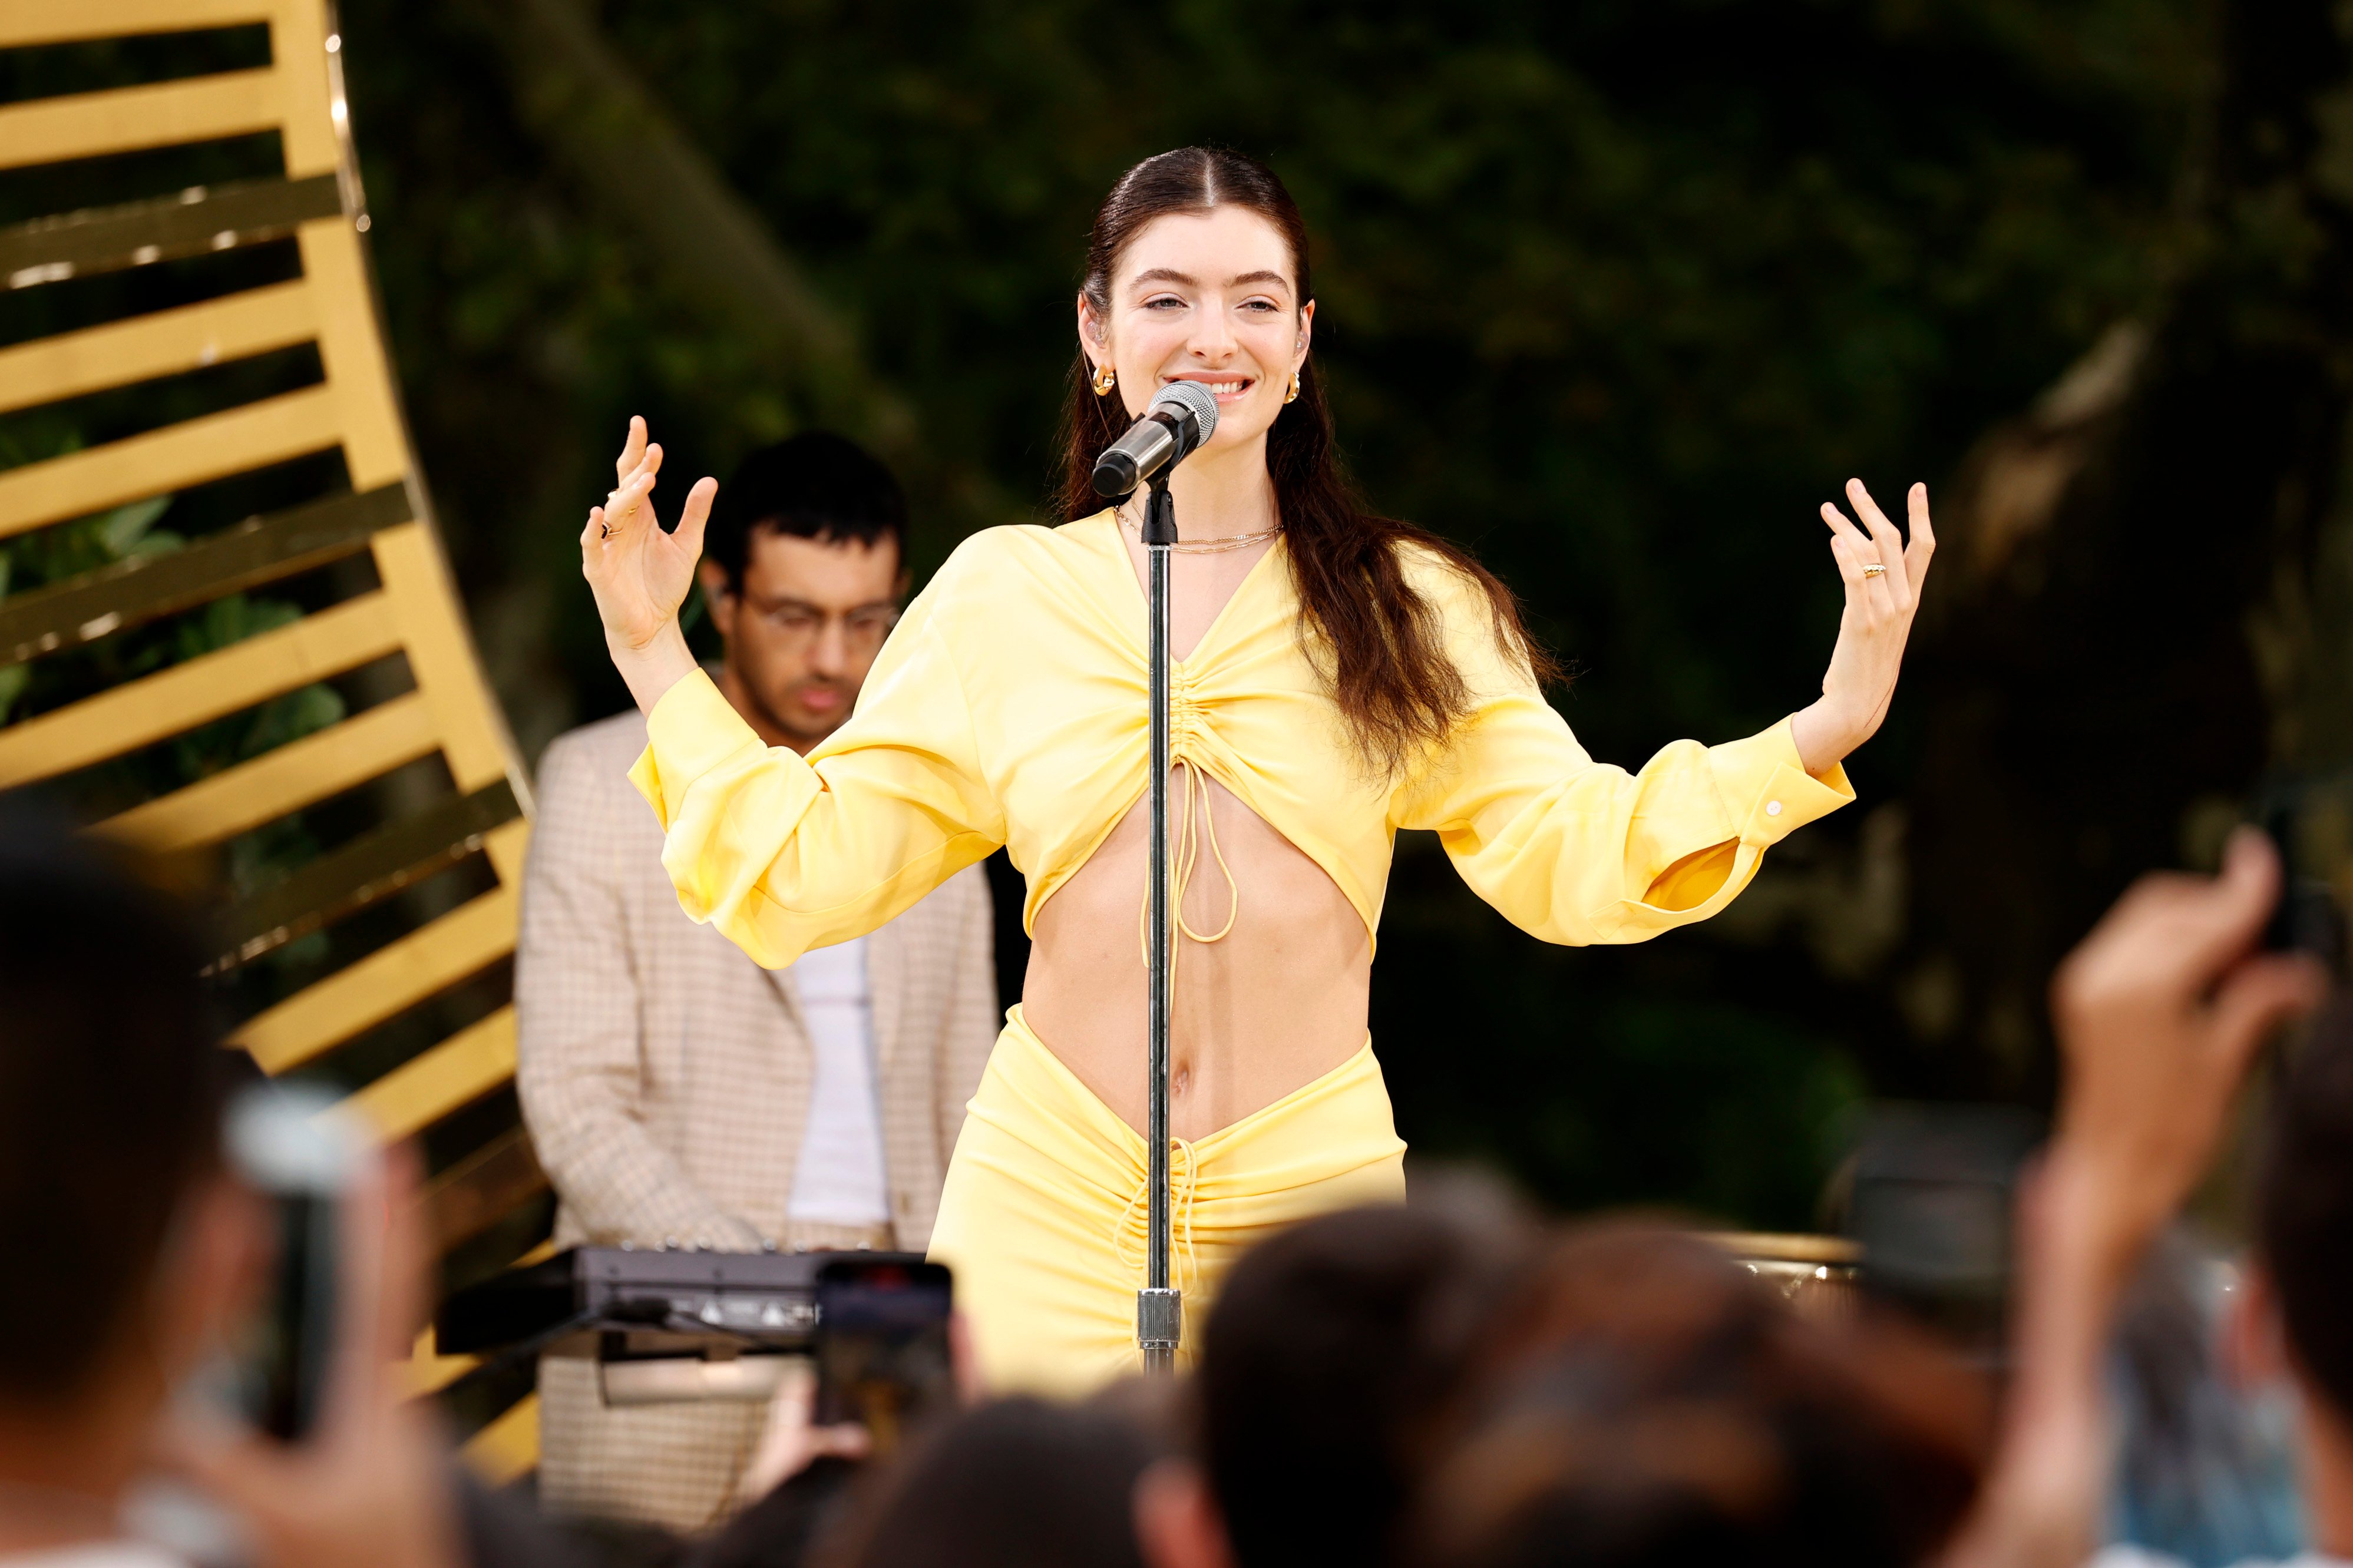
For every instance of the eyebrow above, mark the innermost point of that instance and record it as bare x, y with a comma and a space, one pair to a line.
1169, 275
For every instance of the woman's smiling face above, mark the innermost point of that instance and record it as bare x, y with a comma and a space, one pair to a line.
1204, 296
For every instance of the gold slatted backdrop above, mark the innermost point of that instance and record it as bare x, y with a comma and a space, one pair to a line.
389, 601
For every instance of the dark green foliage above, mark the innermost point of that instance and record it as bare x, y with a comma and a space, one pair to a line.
2108, 689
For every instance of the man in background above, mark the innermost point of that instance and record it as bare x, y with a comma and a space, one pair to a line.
679, 1094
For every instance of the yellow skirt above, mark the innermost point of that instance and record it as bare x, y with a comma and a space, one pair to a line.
1042, 1217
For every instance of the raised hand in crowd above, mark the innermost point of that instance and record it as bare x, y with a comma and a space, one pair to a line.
370, 1486
2158, 1014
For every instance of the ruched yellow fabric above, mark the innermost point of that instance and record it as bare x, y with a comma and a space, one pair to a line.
1043, 1216
1008, 708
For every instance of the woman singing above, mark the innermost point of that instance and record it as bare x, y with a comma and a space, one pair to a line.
1338, 676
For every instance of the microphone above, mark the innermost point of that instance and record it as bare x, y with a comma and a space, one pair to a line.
1182, 416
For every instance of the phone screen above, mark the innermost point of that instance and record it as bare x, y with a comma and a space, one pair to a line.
2306, 919
882, 1343
284, 1142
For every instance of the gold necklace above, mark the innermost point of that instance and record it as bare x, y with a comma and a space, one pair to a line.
1206, 546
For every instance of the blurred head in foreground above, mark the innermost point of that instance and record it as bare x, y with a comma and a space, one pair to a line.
1018, 1483
1330, 1350
2304, 1227
1643, 1401
128, 1246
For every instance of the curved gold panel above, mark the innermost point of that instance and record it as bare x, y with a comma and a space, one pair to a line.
409, 620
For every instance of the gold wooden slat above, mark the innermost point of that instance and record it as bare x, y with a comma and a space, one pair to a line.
387, 981
508, 1448
376, 447
166, 343
60, 616
22, 24
190, 222
290, 425
481, 1189
89, 124
441, 656
428, 1371
418, 582
450, 1076
375, 867
201, 690
296, 774
312, 139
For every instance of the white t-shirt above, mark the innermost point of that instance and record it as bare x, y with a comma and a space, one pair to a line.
838, 1179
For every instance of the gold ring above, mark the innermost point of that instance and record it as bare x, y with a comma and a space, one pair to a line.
1875, 570
606, 529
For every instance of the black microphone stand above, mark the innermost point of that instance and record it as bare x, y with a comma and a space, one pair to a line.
1159, 1307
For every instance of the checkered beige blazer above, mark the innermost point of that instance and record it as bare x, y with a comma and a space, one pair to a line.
666, 1079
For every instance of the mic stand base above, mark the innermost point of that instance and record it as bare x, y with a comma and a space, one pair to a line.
1159, 1327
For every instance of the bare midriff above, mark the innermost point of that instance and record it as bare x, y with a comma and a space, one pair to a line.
1274, 1005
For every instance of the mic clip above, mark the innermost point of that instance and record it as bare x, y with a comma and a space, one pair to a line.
1159, 512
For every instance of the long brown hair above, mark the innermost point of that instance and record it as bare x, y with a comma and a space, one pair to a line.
1375, 641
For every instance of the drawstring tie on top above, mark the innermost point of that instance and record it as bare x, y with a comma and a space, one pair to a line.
1199, 821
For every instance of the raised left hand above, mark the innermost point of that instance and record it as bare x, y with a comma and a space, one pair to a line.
1873, 629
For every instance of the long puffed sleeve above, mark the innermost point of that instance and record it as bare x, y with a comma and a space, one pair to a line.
1575, 851
783, 855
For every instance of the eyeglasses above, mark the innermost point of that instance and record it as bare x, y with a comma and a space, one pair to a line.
799, 624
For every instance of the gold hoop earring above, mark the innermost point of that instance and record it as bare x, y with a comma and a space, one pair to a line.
1105, 379
1292, 396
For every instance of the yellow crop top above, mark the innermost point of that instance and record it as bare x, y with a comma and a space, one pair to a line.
1008, 709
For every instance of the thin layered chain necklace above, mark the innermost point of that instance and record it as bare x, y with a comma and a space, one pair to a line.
1205, 546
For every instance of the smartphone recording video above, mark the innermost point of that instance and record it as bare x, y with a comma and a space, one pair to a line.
883, 1345
2309, 918
285, 1142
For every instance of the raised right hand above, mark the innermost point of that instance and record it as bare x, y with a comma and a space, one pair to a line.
639, 573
